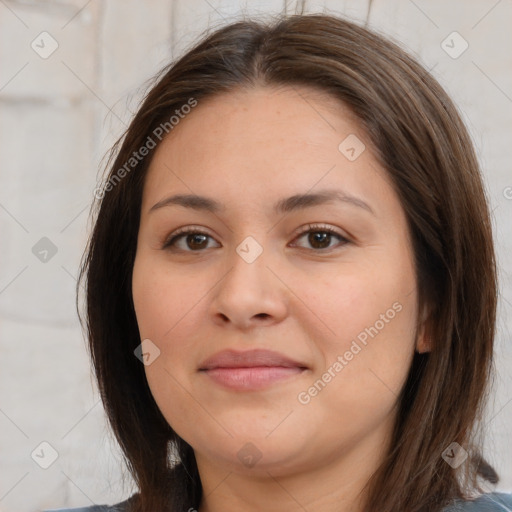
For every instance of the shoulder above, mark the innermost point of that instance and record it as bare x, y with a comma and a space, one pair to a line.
491, 502
118, 507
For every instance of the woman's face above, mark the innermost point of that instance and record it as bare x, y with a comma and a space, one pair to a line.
301, 248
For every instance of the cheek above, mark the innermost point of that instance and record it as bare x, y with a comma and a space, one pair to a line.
167, 306
377, 298
366, 362
366, 315
171, 308
165, 302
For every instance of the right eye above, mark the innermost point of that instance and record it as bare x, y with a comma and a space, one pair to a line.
187, 240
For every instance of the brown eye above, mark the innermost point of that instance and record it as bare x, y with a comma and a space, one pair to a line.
196, 241
188, 241
320, 238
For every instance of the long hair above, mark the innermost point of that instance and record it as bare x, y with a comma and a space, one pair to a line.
421, 142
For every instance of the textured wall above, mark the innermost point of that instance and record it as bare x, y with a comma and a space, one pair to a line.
71, 73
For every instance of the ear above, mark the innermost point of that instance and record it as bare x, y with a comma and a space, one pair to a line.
423, 337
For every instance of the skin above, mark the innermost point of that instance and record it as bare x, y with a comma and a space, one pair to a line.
248, 149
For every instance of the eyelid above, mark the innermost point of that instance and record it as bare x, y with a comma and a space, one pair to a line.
185, 230
320, 227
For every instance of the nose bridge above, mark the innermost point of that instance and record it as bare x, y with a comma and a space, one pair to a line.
249, 291
247, 277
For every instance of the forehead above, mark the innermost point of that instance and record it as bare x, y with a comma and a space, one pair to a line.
260, 143
290, 112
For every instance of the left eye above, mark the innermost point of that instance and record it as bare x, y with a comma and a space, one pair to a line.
321, 238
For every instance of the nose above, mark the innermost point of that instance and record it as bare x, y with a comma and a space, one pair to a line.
249, 295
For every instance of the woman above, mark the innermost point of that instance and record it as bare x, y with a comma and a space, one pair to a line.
291, 284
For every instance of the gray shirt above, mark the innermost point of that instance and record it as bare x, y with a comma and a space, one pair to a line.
492, 502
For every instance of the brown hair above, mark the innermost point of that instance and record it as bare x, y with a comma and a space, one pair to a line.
420, 140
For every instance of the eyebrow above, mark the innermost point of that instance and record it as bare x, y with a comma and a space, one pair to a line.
286, 205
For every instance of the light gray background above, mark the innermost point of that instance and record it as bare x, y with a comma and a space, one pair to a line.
58, 116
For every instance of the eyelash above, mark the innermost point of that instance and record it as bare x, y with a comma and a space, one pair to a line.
310, 228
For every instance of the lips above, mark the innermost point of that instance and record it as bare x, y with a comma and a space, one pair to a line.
251, 370
249, 359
